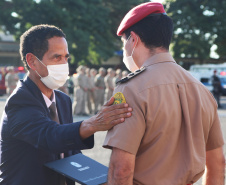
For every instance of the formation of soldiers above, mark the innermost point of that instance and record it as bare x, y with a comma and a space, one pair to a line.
92, 88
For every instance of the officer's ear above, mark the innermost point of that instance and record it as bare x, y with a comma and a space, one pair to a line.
31, 61
135, 38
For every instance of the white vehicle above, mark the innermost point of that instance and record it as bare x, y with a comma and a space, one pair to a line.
204, 72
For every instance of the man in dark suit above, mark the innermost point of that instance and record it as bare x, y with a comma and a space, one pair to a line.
34, 126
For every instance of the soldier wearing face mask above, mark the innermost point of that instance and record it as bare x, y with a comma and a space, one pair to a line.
175, 131
37, 125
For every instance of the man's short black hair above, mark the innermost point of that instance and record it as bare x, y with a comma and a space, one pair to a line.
35, 41
154, 31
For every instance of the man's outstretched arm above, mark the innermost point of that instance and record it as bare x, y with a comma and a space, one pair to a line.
121, 168
215, 167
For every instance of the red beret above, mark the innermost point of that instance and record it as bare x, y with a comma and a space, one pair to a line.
138, 13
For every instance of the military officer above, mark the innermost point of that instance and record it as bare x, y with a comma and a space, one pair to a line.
108, 80
124, 73
118, 76
79, 91
175, 129
100, 85
11, 80
90, 74
92, 92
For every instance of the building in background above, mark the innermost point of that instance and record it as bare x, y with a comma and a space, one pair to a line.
9, 51
9, 56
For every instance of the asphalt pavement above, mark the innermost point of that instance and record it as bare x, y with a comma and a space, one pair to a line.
103, 155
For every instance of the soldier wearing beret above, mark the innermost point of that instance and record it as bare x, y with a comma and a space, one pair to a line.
175, 131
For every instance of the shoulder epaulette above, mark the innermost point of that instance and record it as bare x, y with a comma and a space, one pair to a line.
131, 75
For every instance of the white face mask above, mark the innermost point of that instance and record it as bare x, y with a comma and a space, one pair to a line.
128, 60
57, 75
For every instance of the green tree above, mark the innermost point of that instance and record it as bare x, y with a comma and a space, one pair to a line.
90, 25
199, 24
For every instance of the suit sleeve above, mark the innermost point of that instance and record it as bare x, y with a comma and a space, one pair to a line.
31, 125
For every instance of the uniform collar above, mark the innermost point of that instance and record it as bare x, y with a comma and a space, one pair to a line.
159, 58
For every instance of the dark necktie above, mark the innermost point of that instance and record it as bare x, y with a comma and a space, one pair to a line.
53, 113
54, 117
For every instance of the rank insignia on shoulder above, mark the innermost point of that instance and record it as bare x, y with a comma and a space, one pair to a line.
119, 98
131, 75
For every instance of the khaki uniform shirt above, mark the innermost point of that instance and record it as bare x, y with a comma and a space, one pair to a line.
108, 80
174, 121
115, 80
92, 82
86, 81
109, 87
99, 81
80, 81
11, 80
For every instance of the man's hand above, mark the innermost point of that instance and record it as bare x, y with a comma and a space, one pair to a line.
109, 116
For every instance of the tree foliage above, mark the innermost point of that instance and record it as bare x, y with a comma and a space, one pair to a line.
90, 25
199, 24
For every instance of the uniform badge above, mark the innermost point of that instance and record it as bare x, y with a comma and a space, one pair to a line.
119, 98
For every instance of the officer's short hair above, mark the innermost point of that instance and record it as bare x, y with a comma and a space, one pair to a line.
154, 31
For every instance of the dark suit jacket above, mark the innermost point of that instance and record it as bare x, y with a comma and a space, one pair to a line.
29, 138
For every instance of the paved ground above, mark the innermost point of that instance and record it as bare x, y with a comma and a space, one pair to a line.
102, 155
